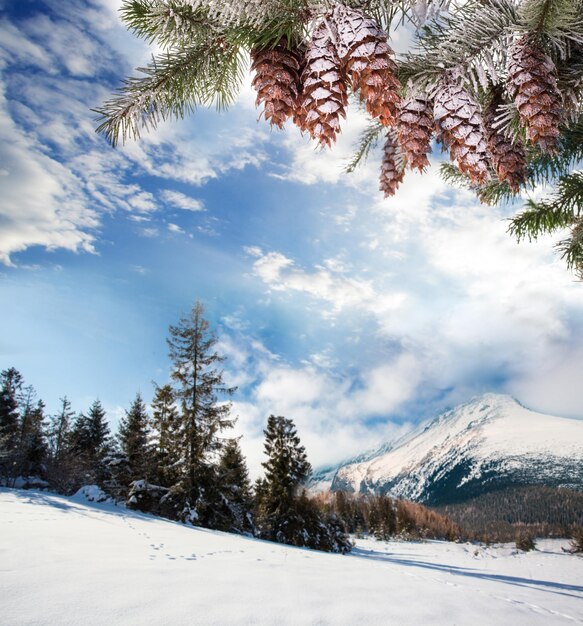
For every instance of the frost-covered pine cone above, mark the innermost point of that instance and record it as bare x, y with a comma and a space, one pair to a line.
392, 167
460, 126
414, 129
508, 159
532, 84
277, 81
368, 61
324, 98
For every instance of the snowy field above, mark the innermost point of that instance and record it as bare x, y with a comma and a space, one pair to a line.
68, 561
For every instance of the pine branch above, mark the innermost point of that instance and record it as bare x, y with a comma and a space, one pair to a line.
172, 85
166, 22
368, 140
542, 168
571, 249
561, 210
474, 38
555, 22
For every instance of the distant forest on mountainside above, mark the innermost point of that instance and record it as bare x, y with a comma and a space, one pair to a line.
497, 515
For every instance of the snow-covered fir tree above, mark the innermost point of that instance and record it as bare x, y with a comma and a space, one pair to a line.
133, 437
284, 513
61, 462
91, 442
32, 445
165, 426
235, 512
10, 387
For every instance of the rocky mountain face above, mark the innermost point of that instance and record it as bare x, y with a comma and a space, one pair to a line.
490, 443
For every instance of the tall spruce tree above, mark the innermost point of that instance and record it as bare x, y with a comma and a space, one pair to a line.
235, 490
62, 464
60, 429
32, 445
167, 445
286, 468
91, 441
10, 388
199, 386
134, 442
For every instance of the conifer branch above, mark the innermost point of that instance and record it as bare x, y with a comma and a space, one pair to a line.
563, 209
172, 85
473, 39
368, 141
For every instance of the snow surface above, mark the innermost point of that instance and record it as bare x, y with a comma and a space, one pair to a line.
69, 561
491, 428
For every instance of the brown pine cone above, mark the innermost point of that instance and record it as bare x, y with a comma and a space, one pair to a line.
508, 159
277, 80
459, 124
368, 61
414, 129
392, 167
532, 84
324, 98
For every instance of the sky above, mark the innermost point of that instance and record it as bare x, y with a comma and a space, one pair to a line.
353, 315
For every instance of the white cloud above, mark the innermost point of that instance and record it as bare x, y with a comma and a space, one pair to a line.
332, 413
182, 201
174, 228
328, 283
41, 203
49, 135
437, 275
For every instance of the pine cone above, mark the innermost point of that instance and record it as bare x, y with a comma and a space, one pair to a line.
324, 98
508, 159
299, 115
393, 166
367, 59
277, 81
460, 126
415, 128
532, 84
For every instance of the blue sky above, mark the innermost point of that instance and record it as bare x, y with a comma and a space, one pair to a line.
354, 315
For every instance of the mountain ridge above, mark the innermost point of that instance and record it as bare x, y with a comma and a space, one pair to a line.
491, 442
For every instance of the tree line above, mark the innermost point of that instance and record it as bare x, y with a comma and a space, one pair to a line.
175, 460
536, 510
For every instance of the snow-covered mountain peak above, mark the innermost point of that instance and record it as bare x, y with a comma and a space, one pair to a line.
491, 438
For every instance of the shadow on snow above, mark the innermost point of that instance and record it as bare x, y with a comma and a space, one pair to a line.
543, 585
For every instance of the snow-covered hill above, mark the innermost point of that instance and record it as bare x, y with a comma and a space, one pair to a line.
490, 442
68, 562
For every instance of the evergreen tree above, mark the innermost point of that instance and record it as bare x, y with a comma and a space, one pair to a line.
576, 546
525, 541
62, 463
134, 443
382, 518
91, 441
199, 386
283, 514
165, 426
235, 490
286, 469
10, 387
60, 429
32, 446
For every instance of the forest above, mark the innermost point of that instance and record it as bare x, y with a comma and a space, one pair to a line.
176, 460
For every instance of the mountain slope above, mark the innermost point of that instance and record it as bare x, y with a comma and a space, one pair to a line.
67, 562
489, 443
